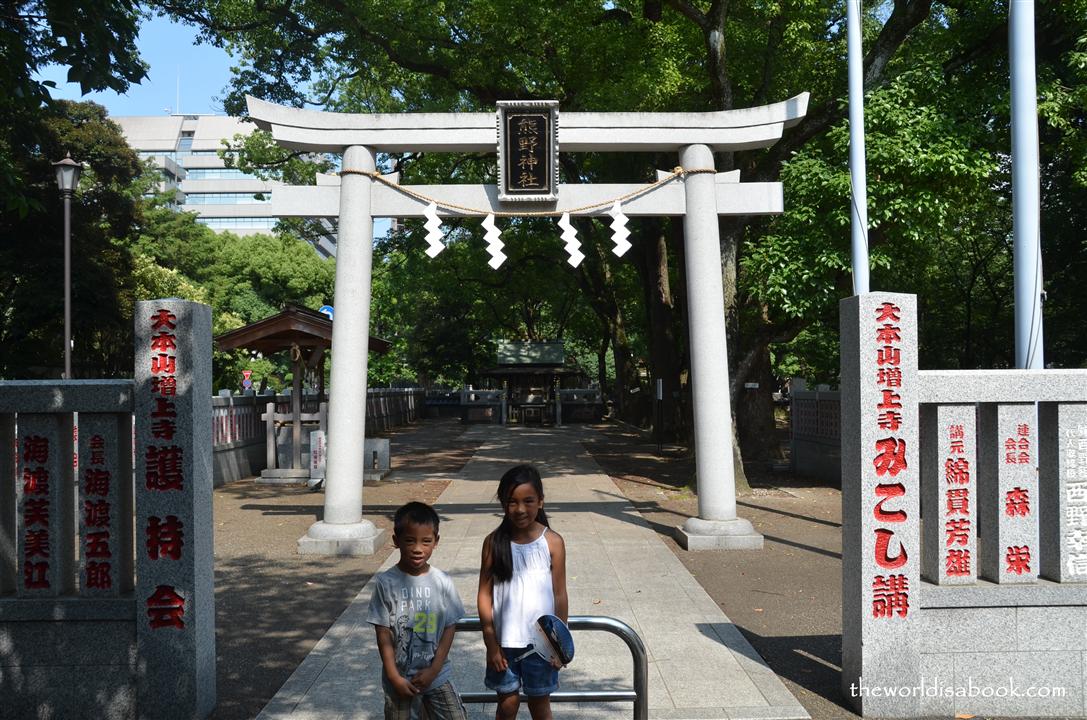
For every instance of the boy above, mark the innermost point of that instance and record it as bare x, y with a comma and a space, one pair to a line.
413, 609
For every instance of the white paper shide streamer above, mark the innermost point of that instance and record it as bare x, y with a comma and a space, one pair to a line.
569, 234
494, 243
619, 232
434, 230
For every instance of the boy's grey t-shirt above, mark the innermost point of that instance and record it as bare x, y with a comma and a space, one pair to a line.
418, 609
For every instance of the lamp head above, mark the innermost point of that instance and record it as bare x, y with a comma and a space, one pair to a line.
67, 174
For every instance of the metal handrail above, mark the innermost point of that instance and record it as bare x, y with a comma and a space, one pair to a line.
639, 696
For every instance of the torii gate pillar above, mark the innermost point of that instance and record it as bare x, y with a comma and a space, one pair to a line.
717, 526
343, 531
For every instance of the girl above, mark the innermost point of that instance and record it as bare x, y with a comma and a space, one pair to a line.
522, 576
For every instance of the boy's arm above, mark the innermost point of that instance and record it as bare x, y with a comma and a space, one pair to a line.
423, 678
388, 662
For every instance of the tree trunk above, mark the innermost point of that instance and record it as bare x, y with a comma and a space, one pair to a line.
652, 263
755, 411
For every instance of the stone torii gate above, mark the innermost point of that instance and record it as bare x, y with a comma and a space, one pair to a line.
698, 194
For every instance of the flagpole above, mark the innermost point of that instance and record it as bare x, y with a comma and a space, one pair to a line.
859, 196
1026, 223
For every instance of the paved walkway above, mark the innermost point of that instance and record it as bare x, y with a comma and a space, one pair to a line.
700, 666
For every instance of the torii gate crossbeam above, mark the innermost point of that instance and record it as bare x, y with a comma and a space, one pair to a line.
699, 197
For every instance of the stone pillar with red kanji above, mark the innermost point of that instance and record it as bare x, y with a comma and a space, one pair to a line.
949, 494
104, 504
1062, 468
881, 549
175, 614
1008, 492
43, 505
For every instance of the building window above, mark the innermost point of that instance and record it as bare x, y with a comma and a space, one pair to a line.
235, 198
250, 223
218, 174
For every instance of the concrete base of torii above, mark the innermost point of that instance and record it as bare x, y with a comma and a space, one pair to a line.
361, 538
735, 534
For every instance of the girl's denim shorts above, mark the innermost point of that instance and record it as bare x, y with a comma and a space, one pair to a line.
532, 675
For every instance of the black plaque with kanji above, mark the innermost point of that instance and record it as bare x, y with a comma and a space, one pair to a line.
528, 150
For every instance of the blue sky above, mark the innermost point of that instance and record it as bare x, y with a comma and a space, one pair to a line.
171, 52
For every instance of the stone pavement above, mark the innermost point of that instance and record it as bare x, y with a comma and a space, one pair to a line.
700, 666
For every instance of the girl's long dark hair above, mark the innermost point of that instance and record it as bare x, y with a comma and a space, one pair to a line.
501, 554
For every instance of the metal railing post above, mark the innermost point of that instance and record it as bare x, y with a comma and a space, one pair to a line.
640, 695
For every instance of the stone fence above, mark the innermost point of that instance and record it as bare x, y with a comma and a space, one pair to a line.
240, 428
814, 434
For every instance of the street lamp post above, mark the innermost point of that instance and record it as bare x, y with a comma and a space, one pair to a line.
67, 181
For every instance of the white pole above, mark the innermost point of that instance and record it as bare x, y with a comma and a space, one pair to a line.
859, 197
1027, 248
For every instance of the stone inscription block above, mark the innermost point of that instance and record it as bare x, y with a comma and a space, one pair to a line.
880, 499
7, 503
104, 504
949, 495
1008, 507
43, 521
1063, 476
175, 622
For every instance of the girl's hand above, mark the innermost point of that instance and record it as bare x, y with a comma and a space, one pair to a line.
556, 663
496, 659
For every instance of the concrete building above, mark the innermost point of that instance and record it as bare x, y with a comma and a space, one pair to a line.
185, 149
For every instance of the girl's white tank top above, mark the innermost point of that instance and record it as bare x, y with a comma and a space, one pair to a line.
526, 596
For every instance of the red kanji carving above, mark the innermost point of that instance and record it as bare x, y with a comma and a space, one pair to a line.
1010, 444
956, 432
165, 537
98, 575
887, 491
163, 409
97, 442
888, 355
164, 341
97, 545
1023, 458
96, 514
1018, 559
891, 456
888, 334
889, 420
163, 468
35, 449
957, 562
958, 501
163, 364
164, 386
1017, 502
891, 377
958, 447
883, 559
98, 457
1009, 459
957, 471
36, 512
163, 319
165, 608
888, 311
164, 429
35, 575
1024, 444
36, 481
890, 400
96, 482
957, 531
1022, 430
890, 596
37, 543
